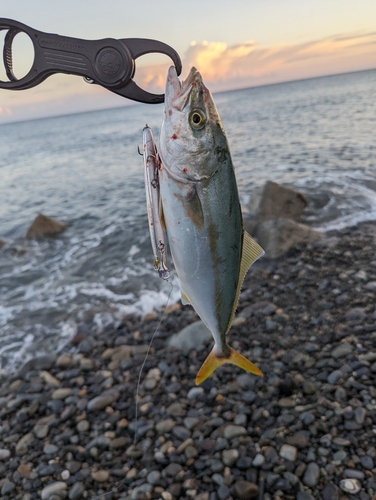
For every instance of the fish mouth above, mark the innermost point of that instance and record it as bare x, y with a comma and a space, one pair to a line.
177, 92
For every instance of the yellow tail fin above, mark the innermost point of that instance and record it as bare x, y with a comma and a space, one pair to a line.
212, 362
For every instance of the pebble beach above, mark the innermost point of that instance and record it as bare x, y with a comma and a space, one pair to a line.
306, 430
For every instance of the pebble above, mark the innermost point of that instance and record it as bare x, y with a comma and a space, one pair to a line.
312, 475
352, 486
61, 393
76, 491
50, 449
233, 431
58, 489
153, 477
4, 454
288, 452
342, 350
195, 392
245, 489
101, 476
7, 488
229, 457
100, 402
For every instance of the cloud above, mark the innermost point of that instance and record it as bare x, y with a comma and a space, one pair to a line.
249, 64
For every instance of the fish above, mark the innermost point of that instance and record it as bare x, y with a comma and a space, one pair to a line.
201, 212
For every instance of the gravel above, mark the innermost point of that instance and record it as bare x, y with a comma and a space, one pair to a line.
306, 430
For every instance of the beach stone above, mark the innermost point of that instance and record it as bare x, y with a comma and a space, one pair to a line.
277, 236
44, 226
297, 440
334, 377
245, 489
173, 469
352, 486
367, 462
195, 392
274, 200
232, 431
312, 475
331, 492
191, 337
64, 361
4, 454
50, 449
83, 426
49, 379
24, 442
7, 488
342, 350
100, 402
223, 492
58, 489
76, 491
356, 313
164, 426
153, 477
61, 393
229, 457
259, 460
304, 495
100, 476
288, 452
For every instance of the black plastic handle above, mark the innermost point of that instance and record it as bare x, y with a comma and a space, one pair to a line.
108, 62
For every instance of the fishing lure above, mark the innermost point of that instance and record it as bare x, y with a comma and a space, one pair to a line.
157, 227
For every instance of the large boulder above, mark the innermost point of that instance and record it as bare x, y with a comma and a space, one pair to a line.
44, 226
273, 201
276, 236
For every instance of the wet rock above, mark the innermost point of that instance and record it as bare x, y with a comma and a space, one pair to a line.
44, 226
229, 457
8, 488
274, 200
297, 440
4, 454
342, 350
191, 337
233, 431
331, 492
101, 402
277, 236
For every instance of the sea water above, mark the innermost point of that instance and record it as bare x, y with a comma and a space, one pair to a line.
315, 135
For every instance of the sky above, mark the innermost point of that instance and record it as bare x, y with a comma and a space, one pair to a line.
235, 44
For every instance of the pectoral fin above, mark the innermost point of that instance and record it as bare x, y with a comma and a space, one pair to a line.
212, 362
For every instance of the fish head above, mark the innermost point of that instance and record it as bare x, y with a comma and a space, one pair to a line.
192, 133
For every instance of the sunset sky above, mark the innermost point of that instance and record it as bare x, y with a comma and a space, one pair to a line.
234, 44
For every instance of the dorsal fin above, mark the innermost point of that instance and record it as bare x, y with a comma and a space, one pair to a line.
251, 251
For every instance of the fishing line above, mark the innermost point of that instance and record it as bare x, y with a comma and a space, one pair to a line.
133, 459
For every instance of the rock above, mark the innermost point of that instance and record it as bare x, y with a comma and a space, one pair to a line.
331, 492
50, 449
49, 379
288, 452
191, 337
274, 200
195, 392
164, 426
245, 489
100, 476
229, 457
76, 492
233, 431
100, 402
44, 226
173, 469
259, 460
7, 488
312, 475
153, 477
298, 440
277, 236
58, 489
350, 486
342, 350
61, 393
367, 462
4, 454
24, 442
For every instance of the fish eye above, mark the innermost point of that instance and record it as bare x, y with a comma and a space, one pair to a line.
197, 119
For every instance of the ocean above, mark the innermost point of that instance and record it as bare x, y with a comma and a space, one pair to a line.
315, 135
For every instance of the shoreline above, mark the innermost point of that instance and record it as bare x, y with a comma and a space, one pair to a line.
305, 430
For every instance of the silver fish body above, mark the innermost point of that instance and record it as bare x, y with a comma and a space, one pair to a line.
201, 210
